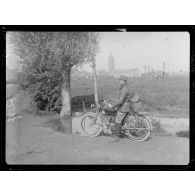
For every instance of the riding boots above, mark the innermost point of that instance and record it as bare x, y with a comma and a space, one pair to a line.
116, 131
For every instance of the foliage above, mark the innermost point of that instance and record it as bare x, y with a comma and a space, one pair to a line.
72, 48
158, 130
183, 134
47, 59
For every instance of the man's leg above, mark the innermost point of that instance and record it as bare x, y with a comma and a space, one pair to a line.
119, 118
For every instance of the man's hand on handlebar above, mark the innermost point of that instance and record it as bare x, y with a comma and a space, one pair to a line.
108, 104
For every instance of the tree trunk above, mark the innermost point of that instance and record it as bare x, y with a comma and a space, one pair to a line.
65, 113
95, 87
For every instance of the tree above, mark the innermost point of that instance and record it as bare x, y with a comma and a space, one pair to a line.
39, 75
72, 49
46, 52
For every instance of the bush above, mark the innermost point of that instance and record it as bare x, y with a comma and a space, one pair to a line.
46, 92
158, 130
183, 134
23, 80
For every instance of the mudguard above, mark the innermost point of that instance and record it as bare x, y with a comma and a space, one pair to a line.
148, 118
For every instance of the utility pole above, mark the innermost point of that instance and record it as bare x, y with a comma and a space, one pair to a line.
94, 72
167, 61
145, 69
148, 69
168, 49
163, 70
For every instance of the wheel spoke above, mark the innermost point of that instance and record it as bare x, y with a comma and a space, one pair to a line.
141, 130
138, 129
90, 126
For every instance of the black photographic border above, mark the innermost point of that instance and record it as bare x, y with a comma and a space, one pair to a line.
97, 28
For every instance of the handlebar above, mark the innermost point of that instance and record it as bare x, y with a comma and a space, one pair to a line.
106, 101
106, 104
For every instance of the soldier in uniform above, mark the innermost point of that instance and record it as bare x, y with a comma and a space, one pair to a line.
123, 105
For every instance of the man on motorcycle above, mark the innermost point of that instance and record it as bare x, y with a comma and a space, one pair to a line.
123, 105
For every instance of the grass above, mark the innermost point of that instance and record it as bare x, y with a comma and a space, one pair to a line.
171, 94
57, 124
11, 90
158, 130
54, 123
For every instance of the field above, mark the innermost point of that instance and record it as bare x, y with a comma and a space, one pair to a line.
169, 97
170, 94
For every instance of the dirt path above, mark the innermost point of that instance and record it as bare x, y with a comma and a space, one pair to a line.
28, 143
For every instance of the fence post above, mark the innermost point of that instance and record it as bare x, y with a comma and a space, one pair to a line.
84, 110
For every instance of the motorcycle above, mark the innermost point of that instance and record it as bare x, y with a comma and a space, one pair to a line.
136, 126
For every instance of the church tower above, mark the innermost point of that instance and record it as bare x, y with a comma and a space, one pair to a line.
111, 64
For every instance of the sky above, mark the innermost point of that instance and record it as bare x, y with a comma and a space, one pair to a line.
136, 49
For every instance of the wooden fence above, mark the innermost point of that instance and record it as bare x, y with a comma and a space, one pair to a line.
78, 103
82, 102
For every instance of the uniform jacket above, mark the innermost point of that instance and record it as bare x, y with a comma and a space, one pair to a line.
123, 101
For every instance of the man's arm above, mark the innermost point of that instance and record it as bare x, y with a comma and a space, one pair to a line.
131, 94
121, 99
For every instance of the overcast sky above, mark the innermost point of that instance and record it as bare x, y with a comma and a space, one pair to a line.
136, 49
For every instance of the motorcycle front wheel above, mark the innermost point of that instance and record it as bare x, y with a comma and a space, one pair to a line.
91, 125
138, 128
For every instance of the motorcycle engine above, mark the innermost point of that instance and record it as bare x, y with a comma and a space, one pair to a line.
108, 124
129, 123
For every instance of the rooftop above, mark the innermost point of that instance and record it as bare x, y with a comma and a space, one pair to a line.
125, 70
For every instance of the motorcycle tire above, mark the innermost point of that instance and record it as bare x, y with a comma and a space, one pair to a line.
141, 129
90, 124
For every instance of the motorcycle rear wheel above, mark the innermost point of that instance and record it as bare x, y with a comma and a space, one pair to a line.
139, 129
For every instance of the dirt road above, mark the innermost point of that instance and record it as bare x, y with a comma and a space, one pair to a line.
29, 143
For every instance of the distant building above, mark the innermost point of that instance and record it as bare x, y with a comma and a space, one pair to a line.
117, 72
127, 72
